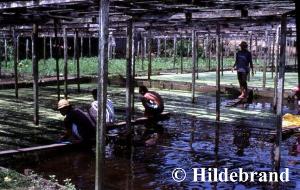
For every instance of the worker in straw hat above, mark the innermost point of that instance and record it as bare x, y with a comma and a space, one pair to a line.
243, 63
78, 125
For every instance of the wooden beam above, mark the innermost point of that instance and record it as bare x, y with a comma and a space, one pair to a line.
35, 71
76, 59
129, 66
15, 41
65, 63
181, 54
265, 61
194, 59
56, 52
144, 51
102, 93
5, 52
149, 55
276, 67
218, 92
174, 51
280, 94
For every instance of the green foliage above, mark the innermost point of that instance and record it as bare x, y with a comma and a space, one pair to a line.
12, 180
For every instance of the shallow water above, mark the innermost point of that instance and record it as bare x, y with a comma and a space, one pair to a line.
187, 142
190, 139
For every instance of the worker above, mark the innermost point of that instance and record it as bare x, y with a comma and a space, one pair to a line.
78, 125
93, 110
152, 101
242, 62
294, 94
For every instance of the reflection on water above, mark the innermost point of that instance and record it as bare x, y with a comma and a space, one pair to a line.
186, 142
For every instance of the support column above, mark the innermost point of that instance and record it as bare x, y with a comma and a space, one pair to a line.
65, 64
174, 51
222, 55
51, 46
5, 51
144, 51
250, 49
209, 50
197, 56
165, 47
149, 55
276, 67
15, 41
158, 47
102, 93
194, 59
56, 52
138, 50
76, 59
265, 61
297, 7
27, 48
181, 54
81, 47
280, 93
35, 71
273, 54
129, 66
218, 92
44, 44
18, 48
90, 46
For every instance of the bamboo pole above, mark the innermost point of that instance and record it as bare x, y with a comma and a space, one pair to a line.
51, 46
265, 61
102, 93
222, 55
18, 49
133, 72
165, 47
197, 56
44, 49
90, 46
129, 67
65, 64
181, 54
194, 59
15, 39
56, 52
174, 51
276, 67
81, 46
280, 93
273, 55
27, 48
35, 71
76, 59
209, 50
158, 47
5, 52
149, 55
144, 51
218, 101
250, 49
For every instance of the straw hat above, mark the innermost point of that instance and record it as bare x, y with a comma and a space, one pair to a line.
63, 103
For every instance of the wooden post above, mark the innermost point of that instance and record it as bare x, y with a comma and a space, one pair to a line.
218, 101
102, 93
280, 92
209, 50
5, 51
181, 54
90, 46
35, 72
265, 61
144, 51
297, 7
81, 47
222, 55
276, 67
165, 46
149, 55
250, 49
44, 44
76, 59
56, 52
51, 46
158, 47
256, 50
133, 72
197, 56
65, 63
27, 48
194, 59
138, 50
174, 51
273, 54
18, 49
129, 74
15, 39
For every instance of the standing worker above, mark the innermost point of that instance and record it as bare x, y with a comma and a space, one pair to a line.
242, 63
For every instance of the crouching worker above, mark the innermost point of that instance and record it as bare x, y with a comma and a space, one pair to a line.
152, 101
93, 110
79, 127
